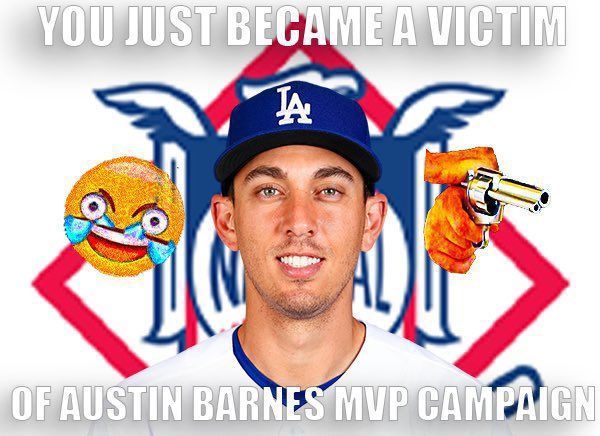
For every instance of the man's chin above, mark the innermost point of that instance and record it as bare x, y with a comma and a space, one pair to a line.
298, 299
293, 303
300, 313
302, 305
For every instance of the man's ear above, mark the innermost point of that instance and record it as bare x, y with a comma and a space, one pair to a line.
375, 210
221, 208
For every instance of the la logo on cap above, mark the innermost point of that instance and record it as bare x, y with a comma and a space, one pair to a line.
295, 107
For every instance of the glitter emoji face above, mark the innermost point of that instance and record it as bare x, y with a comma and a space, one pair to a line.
124, 216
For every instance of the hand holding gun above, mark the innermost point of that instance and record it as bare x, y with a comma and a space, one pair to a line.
474, 198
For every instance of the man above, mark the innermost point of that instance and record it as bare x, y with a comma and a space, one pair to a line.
298, 201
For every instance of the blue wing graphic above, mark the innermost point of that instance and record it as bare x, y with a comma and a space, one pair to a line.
466, 100
169, 114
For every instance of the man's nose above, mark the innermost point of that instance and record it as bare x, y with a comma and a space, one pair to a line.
300, 215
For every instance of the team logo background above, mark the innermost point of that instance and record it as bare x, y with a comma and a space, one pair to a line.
417, 308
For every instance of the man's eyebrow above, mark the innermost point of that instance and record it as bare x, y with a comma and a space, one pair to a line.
108, 197
263, 170
333, 171
142, 208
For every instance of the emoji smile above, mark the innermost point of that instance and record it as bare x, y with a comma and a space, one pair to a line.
114, 245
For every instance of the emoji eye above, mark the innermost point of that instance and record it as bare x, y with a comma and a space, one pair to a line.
155, 221
93, 206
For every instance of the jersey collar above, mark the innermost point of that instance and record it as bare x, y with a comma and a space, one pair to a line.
265, 382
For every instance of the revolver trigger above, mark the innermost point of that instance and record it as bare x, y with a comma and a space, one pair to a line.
486, 238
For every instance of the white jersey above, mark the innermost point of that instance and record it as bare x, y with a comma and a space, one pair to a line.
384, 360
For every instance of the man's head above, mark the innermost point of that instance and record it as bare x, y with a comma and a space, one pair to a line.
302, 211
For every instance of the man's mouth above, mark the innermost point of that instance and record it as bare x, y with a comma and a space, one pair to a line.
115, 245
300, 266
299, 261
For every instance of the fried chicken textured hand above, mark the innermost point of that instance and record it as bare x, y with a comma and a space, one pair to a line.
449, 230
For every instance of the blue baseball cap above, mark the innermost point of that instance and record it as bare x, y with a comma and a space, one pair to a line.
297, 113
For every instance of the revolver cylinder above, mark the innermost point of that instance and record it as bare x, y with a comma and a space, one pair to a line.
488, 191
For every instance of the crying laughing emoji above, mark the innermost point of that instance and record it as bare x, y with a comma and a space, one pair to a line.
124, 216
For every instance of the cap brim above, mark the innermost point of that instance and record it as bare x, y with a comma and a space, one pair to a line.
230, 162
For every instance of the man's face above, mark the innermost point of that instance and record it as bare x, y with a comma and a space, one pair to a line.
299, 216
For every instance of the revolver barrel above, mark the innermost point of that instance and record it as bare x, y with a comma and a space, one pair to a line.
520, 194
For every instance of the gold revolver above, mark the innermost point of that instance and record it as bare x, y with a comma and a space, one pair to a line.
488, 191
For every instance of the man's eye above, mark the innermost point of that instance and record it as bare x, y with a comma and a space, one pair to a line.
330, 192
269, 192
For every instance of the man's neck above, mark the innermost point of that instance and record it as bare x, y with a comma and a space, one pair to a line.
301, 352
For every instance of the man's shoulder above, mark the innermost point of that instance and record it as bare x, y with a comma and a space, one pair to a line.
400, 356
202, 363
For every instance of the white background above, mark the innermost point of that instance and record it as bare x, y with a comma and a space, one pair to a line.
544, 130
